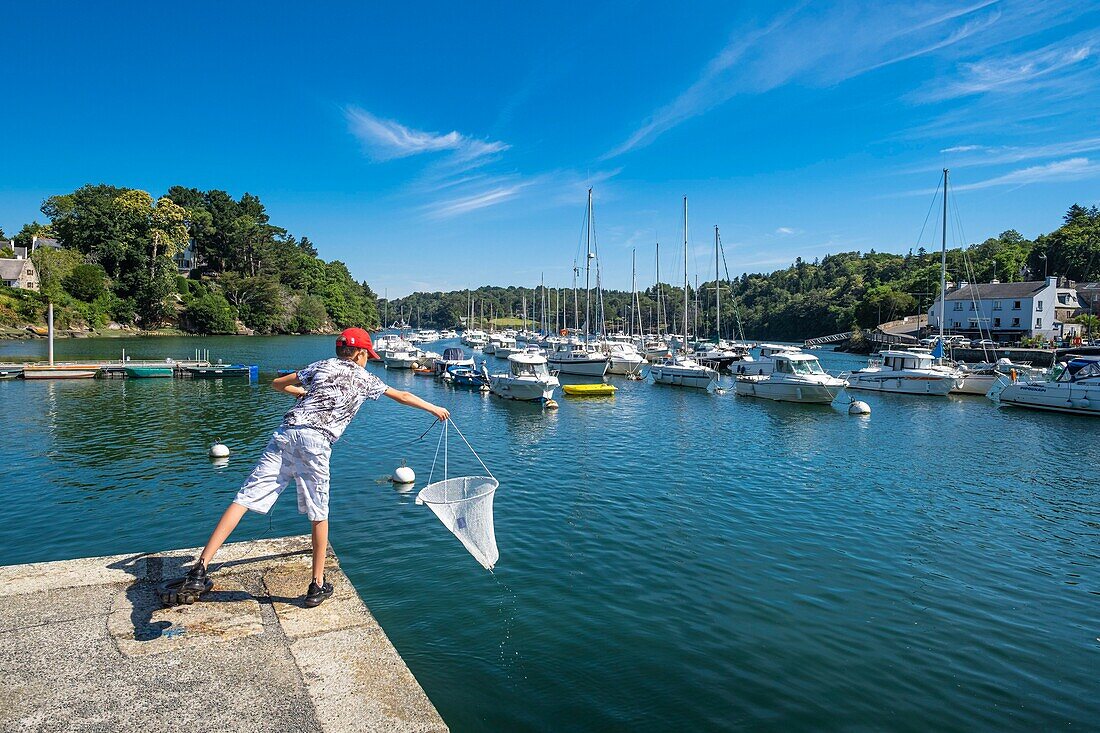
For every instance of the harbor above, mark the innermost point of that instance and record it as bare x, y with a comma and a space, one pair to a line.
830, 570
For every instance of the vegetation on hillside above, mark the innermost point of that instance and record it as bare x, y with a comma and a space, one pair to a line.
828, 295
118, 263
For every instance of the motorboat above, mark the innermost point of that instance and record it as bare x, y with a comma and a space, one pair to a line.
765, 362
474, 338
680, 370
148, 372
60, 371
503, 345
452, 356
1072, 387
220, 371
654, 348
404, 358
622, 358
576, 358
528, 378
794, 377
389, 343
716, 356
448, 334
904, 372
465, 376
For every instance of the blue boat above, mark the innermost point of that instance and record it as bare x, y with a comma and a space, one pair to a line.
223, 371
464, 376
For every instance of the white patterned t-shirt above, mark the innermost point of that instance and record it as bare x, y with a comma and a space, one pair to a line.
335, 390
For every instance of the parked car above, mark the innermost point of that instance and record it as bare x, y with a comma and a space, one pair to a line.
983, 344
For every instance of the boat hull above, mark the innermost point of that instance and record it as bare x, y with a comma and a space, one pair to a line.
975, 384
1039, 396
677, 377
580, 368
622, 366
148, 372
75, 371
932, 386
787, 391
521, 389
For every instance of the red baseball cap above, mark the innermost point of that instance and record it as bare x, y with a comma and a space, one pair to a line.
358, 338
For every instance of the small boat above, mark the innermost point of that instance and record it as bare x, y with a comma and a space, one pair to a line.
465, 376
576, 358
623, 358
452, 356
402, 358
1072, 387
423, 371
148, 372
589, 390
11, 372
904, 372
222, 371
60, 371
528, 379
794, 377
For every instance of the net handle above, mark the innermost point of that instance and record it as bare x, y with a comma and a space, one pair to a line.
444, 435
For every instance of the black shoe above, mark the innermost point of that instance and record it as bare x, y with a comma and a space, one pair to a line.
318, 593
196, 578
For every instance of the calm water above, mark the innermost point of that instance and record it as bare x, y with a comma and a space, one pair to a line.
670, 560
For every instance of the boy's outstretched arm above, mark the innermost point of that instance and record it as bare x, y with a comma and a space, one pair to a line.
408, 398
288, 383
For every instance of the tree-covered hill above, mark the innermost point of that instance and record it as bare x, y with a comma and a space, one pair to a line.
119, 262
807, 299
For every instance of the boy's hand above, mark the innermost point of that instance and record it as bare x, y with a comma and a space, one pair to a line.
441, 413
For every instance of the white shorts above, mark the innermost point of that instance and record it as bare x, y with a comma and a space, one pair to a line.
293, 454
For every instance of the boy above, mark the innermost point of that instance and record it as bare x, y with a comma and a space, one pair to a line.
329, 394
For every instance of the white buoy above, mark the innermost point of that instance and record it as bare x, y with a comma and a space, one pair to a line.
404, 475
857, 407
219, 450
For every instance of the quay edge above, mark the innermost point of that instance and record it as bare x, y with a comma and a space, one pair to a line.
88, 647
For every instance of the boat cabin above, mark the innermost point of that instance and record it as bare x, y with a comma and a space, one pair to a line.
899, 360
799, 364
1077, 370
528, 365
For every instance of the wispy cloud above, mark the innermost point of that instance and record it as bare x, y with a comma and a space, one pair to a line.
821, 46
1073, 169
1027, 71
482, 199
963, 149
787, 231
384, 139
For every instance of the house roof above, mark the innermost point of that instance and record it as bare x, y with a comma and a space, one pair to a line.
986, 291
12, 269
46, 242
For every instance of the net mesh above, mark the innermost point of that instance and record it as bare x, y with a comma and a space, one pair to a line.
465, 506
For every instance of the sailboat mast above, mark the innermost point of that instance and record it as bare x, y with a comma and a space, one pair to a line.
717, 289
685, 343
633, 288
658, 319
587, 271
943, 260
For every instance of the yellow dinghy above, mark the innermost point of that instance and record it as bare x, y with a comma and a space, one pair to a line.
589, 390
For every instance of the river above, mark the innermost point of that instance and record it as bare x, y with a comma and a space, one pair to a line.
669, 559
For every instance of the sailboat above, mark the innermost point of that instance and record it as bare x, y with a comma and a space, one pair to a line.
716, 355
622, 351
679, 369
654, 347
914, 371
573, 356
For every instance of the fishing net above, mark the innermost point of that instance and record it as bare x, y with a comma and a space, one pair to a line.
464, 504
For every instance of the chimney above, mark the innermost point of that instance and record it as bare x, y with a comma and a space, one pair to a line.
994, 281
1052, 281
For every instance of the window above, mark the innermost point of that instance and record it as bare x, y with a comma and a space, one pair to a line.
1038, 323
958, 325
958, 305
996, 323
971, 305
1015, 322
1015, 305
996, 305
1038, 305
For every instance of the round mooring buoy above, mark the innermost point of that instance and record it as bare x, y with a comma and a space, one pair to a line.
219, 450
551, 405
403, 475
858, 407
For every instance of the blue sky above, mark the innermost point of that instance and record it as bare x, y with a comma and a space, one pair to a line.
438, 146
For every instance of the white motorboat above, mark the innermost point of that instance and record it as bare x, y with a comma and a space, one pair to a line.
904, 372
527, 379
503, 345
683, 371
575, 358
448, 334
1072, 387
403, 358
622, 358
474, 338
655, 348
794, 377
765, 362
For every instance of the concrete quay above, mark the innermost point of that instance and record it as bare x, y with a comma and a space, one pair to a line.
88, 647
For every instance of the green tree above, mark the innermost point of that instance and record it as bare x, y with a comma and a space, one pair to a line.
54, 265
309, 315
86, 282
210, 313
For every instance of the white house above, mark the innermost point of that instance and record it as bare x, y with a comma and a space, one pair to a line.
18, 273
1005, 311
